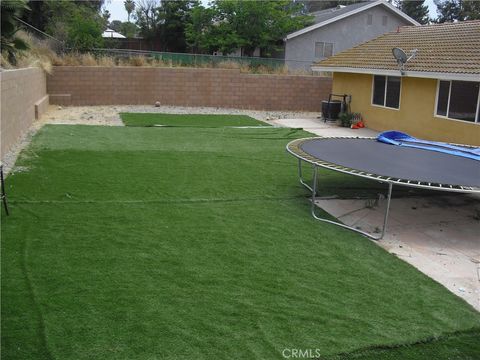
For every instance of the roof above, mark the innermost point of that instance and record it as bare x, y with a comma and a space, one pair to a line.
449, 50
109, 33
328, 16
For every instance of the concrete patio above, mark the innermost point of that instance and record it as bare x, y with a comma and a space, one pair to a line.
439, 234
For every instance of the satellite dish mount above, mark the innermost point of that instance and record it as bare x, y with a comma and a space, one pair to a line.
402, 58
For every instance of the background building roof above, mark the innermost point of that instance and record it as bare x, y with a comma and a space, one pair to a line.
452, 48
328, 16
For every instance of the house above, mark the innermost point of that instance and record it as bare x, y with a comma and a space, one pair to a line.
341, 28
111, 34
437, 94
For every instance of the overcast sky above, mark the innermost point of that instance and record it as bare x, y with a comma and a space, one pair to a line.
117, 10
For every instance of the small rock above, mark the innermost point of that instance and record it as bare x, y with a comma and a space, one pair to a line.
461, 289
60, 108
157, 104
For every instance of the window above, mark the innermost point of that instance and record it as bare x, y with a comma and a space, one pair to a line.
384, 20
323, 49
386, 91
459, 100
369, 19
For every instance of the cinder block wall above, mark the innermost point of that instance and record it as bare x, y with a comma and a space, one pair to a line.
71, 85
22, 90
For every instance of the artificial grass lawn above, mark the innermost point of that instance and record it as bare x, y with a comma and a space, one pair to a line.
197, 120
141, 243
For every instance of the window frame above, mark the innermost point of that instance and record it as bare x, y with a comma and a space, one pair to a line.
323, 49
369, 19
435, 114
385, 93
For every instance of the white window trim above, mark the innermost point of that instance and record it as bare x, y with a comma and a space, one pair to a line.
477, 116
369, 17
385, 94
323, 49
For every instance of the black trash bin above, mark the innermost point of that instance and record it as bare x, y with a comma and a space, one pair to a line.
331, 109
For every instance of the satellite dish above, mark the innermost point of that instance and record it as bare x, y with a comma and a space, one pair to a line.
402, 57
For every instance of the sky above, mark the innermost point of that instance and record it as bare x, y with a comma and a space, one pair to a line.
117, 10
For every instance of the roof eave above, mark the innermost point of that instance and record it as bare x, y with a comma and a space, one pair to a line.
417, 74
350, 13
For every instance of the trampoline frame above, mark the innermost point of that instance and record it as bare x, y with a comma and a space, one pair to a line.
294, 148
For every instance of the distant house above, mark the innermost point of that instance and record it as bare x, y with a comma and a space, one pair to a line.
341, 28
437, 97
112, 34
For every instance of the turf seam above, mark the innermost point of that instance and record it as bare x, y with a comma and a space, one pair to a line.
431, 339
36, 305
160, 201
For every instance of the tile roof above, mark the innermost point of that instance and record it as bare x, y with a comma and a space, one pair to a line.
452, 48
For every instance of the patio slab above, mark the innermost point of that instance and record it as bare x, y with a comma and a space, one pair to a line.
321, 128
438, 238
439, 234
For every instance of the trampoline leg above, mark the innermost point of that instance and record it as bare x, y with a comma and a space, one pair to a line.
371, 236
301, 176
3, 195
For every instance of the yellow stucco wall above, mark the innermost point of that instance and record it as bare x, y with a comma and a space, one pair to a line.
416, 113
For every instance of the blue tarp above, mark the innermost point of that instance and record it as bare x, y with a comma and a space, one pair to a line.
401, 139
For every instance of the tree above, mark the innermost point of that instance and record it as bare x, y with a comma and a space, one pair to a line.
245, 24
448, 10
457, 10
105, 16
199, 28
10, 43
471, 10
129, 7
166, 21
84, 33
315, 5
174, 15
146, 18
43, 10
115, 25
416, 9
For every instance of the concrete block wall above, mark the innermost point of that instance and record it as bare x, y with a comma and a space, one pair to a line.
83, 85
23, 97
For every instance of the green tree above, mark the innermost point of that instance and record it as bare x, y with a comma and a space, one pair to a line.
166, 21
416, 9
471, 10
129, 7
448, 10
147, 18
199, 29
128, 29
174, 15
315, 5
10, 43
457, 10
42, 10
115, 25
247, 25
84, 33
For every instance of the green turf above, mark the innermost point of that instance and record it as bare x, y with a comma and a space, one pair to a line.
180, 243
205, 121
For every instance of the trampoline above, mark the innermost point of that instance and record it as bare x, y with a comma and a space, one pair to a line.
389, 164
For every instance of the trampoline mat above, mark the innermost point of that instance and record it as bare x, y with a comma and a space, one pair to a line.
399, 162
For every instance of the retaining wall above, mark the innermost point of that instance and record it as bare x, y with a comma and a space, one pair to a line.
84, 85
24, 98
